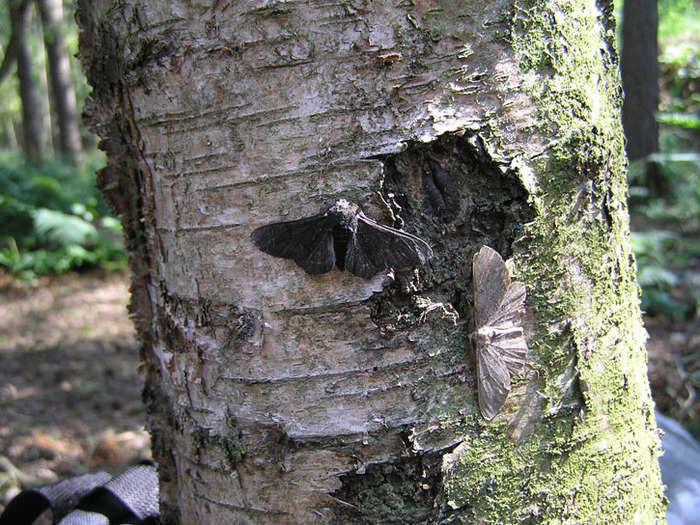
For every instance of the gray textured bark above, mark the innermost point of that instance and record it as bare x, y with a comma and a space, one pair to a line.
279, 397
62, 93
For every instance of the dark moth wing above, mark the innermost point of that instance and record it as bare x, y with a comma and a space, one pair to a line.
363, 246
373, 248
309, 242
493, 379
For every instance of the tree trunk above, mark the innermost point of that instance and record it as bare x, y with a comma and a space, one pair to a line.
62, 93
11, 136
640, 78
31, 115
17, 10
275, 396
49, 139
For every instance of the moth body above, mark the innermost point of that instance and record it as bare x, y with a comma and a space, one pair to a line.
344, 214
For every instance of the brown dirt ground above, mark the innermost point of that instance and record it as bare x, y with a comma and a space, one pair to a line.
70, 393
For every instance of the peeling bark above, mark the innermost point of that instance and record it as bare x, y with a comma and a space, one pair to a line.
279, 397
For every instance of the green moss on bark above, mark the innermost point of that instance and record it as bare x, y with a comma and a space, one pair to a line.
594, 456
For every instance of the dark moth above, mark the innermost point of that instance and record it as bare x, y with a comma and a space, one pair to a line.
501, 348
345, 237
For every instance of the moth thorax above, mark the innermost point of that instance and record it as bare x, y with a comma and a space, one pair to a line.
346, 211
484, 333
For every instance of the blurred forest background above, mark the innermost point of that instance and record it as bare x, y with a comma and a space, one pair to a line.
69, 391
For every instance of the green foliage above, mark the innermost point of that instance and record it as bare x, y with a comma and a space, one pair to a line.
54, 219
667, 238
681, 120
654, 249
679, 59
668, 246
677, 19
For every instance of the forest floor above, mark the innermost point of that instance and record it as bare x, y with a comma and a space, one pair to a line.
70, 394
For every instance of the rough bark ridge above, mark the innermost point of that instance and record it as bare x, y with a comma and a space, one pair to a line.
276, 397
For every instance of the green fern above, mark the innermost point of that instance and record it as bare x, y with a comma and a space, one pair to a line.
54, 220
58, 228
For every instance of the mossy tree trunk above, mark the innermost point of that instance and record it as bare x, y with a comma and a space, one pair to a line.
279, 397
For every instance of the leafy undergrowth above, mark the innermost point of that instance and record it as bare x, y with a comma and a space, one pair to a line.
666, 241
54, 220
666, 224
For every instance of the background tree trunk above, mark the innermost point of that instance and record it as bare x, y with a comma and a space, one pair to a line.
49, 139
278, 397
640, 78
62, 94
18, 7
31, 114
